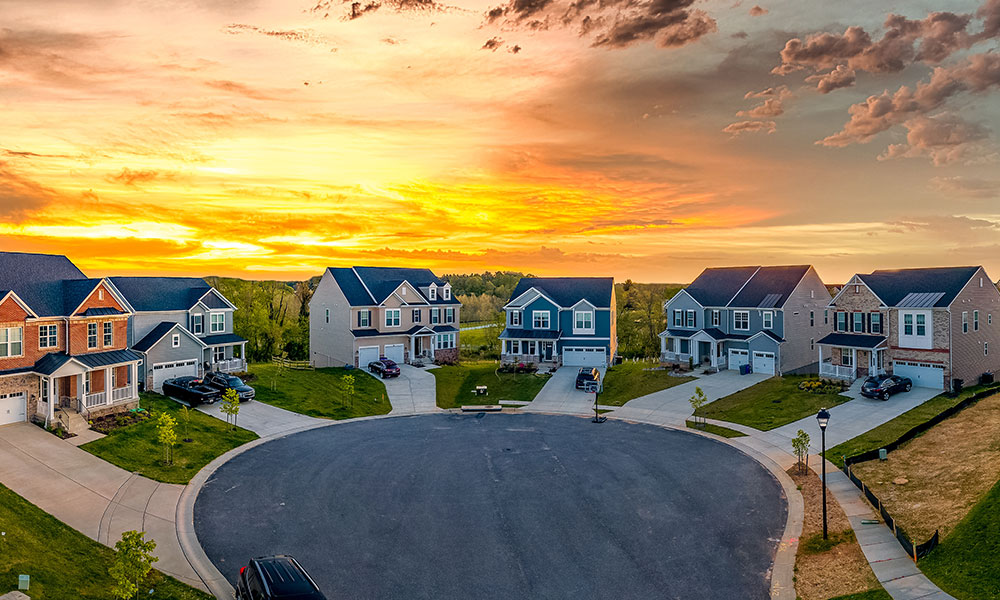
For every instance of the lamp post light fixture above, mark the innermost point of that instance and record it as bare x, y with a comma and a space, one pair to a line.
823, 418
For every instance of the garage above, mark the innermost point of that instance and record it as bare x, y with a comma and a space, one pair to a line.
585, 357
13, 408
367, 354
737, 358
394, 352
165, 371
921, 374
763, 362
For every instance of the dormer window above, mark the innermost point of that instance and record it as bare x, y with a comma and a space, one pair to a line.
432, 293
447, 293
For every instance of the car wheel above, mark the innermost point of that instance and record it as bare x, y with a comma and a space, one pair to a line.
885, 396
907, 388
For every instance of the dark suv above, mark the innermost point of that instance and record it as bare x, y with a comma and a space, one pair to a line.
884, 386
383, 367
225, 381
585, 375
276, 577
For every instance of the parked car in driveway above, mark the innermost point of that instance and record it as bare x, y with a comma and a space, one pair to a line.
191, 391
225, 381
883, 386
384, 368
276, 578
585, 375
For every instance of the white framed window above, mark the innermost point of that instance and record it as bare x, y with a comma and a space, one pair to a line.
109, 335
975, 320
876, 323
402, 291
364, 318
449, 315
114, 378
540, 319
678, 317
515, 318
768, 318
416, 315
435, 316
175, 340
88, 381
907, 324
532, 348
198, 324
48, 336
826, 316
846, 357
716, 318
392, 317
965, 321
43, 393
583, 320
218, 354
691, 319
858, 322
915, 329
432, 293
91, 335
741, 320
447, 293
921, 325
515, 346
11, 342
841, 324
445, 341
217, 322
812, 293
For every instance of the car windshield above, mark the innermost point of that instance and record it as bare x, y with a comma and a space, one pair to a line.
234, 381
388, 363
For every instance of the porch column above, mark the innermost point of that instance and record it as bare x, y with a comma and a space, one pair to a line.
854, 360
107, 385
50, 384
79, 392
663, 345
133, 385
820, 358
715, 355
413, 347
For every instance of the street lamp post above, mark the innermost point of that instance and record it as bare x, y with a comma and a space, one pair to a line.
823, 418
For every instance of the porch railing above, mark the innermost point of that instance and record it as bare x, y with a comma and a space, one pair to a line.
527, 358
675, 357
122, 393
838, 371
230, 366
95, 399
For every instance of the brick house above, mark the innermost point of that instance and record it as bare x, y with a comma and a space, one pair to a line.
63, 342
933, 325
359, 314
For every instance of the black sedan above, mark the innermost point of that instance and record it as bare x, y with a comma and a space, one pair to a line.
384, 368
190, 391
883, 386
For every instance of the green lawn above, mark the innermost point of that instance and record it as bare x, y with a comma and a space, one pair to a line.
134, 448
630, 380
891, 430
965, 564
456, 383
771, 403
476, 337
869, 595
63, 563
717, 430
320, 393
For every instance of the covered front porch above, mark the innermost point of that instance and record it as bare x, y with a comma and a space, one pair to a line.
529, 346
226, 353
847, 356
702, 347
90, 385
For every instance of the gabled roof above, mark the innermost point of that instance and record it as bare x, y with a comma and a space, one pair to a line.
158, 333
568, 291
367, 286
769, 287
716, 286
161, 293
38, 280
892, 286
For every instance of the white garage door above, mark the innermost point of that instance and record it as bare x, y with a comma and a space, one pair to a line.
738, 357
763, 362
394, 352
367, 354
165, 371
922, 374
13, 408
585, 357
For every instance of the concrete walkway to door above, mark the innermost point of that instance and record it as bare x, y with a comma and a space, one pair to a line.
93, 497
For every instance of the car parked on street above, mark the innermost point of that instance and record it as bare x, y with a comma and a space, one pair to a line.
384, 368
587, 374
883, 386
190, 391
225, 381
276, 578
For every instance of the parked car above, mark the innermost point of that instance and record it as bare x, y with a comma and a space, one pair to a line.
225, 381
274, 578
585, 375
884, 386
384, 368
191, 391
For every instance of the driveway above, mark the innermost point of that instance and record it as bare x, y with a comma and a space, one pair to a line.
559, 394
413, 392
93, 497
517, 505
672, 406
264, 419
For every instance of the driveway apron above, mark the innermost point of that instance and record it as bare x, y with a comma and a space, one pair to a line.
413, 392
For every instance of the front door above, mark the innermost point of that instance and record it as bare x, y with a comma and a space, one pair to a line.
547, 350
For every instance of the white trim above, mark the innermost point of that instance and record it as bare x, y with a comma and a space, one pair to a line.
548, 316
114, 292
589, 337
593, 319
512, 304
582, 301
677, 295
399, 317
175, 340
211, 323
20, 303
217, 293
735, 328
40, 346
856, 280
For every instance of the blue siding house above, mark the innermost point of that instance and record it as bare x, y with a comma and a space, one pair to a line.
767, 317
561, 321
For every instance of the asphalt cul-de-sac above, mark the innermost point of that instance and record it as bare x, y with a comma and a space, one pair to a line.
500, 506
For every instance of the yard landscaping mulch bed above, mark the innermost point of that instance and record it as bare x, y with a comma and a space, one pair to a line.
109, 423
840, 554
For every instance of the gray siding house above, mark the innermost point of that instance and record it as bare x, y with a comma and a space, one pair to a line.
767, 317
181, 326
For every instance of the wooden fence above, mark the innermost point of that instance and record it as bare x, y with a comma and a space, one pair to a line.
303, 365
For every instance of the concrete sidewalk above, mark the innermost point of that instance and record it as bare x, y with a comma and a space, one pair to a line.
92, 496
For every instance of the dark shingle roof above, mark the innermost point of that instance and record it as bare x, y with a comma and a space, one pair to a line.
767, 282
38, 279
894, 285
716, 286
529, 334
75, 291
770, 334
222, 338
852, 340
383, 281
445, 329
154, 336
567, 291
161, 293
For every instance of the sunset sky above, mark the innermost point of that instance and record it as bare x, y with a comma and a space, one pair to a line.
636, 138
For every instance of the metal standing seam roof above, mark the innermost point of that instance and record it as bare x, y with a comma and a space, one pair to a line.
529, 334
920, 300
769, 301
101, 312
221, 338
50, 363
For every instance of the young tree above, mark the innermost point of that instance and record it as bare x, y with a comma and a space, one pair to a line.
800, 445
347, 388
185, 421
698, 400
133, 561
166, 435
230, 406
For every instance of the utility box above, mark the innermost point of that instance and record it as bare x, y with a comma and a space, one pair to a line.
883, 454
23, 581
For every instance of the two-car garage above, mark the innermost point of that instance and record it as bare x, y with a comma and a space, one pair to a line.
926, 375
168, 370
368, 354
13, 408
759, 361
585, 356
